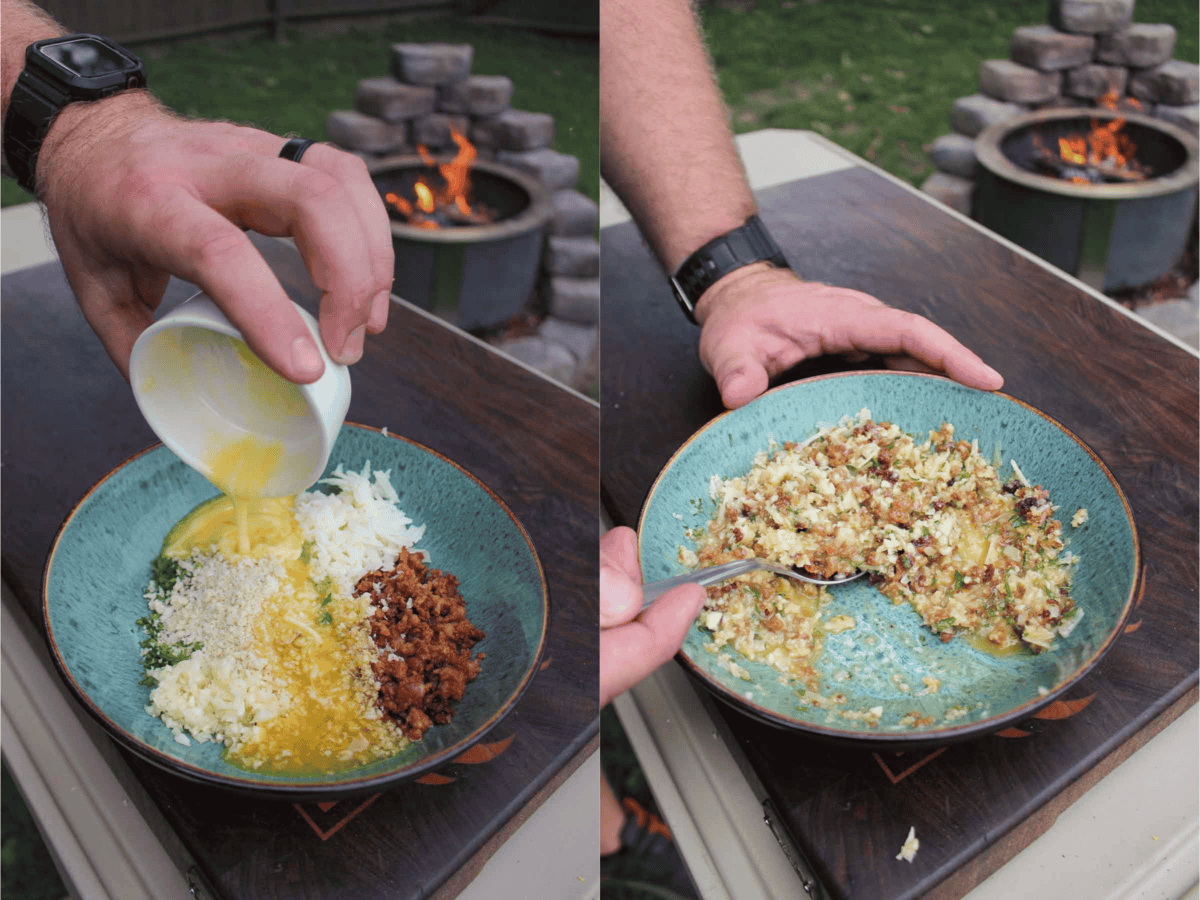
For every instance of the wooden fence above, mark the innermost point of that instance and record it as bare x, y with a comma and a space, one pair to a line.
133, 21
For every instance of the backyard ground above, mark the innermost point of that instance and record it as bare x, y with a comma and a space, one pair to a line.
292, 87
878, 77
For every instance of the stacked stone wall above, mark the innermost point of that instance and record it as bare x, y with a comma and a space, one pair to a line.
1089, 48
430, 92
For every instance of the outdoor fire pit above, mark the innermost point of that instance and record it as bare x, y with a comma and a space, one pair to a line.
473, 260
1117, 218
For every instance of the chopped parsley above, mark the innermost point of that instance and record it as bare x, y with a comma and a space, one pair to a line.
325, 618
306, 550
165, 572
156, 653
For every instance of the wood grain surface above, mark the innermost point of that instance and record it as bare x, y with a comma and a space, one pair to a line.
1126, 392
68, 418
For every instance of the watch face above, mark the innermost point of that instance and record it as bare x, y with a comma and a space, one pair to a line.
87, 58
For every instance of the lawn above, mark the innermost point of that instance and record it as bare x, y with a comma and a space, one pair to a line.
292, 87
878, 77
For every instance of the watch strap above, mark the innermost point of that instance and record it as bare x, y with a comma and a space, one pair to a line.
746, 244
32, 107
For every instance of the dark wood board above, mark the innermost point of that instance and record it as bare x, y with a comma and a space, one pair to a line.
1128, 393
68, 418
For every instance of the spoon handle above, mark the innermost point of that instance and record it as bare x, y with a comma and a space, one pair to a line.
703, 577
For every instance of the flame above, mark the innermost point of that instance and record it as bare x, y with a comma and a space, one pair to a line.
457, 172
1073, 149
399, 202
424, 197
1105, 147
455, 195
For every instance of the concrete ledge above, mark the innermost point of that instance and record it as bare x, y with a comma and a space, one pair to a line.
25, 238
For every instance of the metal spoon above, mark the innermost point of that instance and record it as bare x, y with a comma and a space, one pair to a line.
716, 574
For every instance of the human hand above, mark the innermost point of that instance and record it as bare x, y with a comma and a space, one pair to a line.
759, 321
632, 645
135, 194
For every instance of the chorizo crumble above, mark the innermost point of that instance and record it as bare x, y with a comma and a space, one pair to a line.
424, 638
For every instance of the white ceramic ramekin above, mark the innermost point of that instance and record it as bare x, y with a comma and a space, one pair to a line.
206, 396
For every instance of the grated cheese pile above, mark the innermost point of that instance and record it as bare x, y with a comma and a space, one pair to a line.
357, 529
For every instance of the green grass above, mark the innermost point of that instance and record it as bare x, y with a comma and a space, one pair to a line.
878, 77
292, 87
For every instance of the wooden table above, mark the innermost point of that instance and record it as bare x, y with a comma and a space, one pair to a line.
68, 418
1127, 392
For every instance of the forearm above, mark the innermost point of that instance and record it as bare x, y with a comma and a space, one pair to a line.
665, 143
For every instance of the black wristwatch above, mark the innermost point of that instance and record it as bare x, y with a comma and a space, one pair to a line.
749, 243
59, 71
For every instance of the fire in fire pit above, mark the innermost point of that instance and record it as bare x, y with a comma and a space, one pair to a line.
1117, 205
433, 204
467, 234
1106, 154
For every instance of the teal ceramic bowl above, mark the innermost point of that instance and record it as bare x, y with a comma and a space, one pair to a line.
99, 566
890, 646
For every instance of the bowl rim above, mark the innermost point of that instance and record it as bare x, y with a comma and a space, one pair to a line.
283, 789
932, 736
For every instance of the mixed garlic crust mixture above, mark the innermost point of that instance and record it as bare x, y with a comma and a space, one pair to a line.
273, 652
932, 522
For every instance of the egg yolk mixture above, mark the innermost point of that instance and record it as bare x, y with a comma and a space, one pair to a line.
251, 645
314, 642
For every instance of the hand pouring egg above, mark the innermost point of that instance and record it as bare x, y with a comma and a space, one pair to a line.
252, 433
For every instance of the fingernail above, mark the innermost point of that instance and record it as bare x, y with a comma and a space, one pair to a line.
307, 358
352, 350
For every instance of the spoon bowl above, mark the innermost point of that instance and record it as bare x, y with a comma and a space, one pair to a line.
715, 574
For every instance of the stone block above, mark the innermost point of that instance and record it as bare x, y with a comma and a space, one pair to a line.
954, 154
515, 129
1050, 50
578, 257
479, 95
1063, 103
1138, 46
574, 214
393, 101
579, 339
556, 171
1186, 117
434, 130
1091, 16
575, 299
547, 357
1093, 81
952, 190
1003, 79
355, 131
431, 64
1174, 83
973, 114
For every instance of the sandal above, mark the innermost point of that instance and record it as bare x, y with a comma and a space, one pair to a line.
648, 863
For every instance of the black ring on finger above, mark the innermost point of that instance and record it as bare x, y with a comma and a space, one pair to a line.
294, 148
